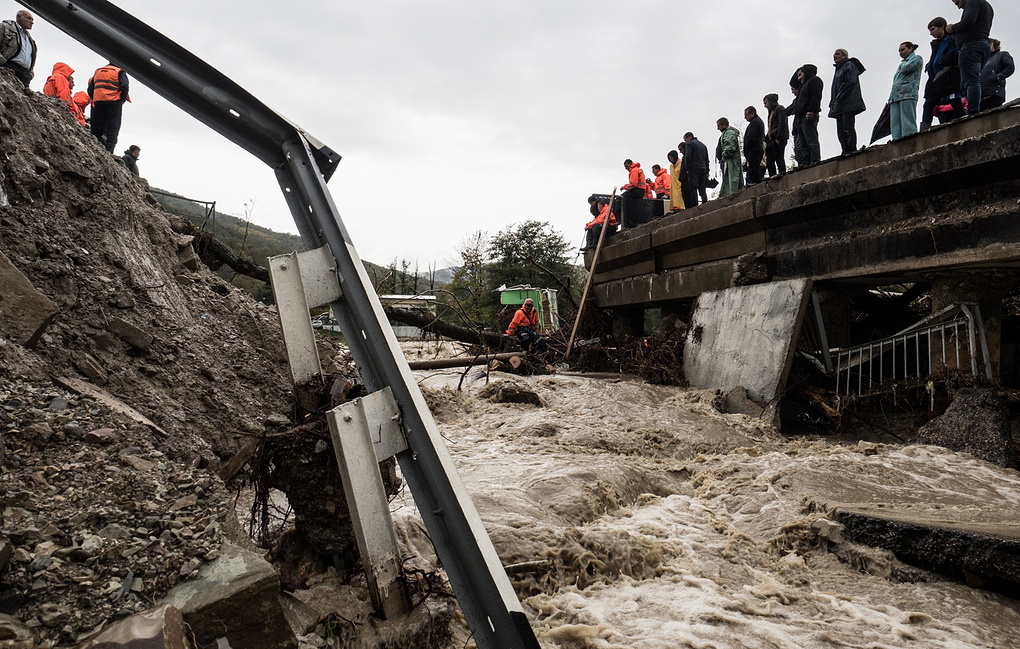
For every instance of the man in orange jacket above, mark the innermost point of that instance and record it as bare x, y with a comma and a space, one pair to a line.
108, 89
661, 182
594, 227
636, 183
525, 325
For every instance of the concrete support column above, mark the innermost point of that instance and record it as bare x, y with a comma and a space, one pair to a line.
987, 289
629, 321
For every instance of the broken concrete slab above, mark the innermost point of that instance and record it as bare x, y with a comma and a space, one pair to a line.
235, 597
301, 617
976, 422
158, 628
745, 336
24, 312
971, 544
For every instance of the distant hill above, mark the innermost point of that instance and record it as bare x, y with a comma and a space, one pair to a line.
256, 243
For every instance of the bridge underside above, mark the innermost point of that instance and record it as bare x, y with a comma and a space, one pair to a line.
909, 211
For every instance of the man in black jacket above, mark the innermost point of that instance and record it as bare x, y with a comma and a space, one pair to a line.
847, 101
997, 69
807, 108
971, 35
777, 136
696, 161
754, 145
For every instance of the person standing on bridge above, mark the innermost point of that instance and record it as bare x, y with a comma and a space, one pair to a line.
728, 155
999, 67
806, 109
777, 135
108, 89
943, 70
846, 102
661, 182
754, 146
696, 162
636, 182
903, 97
971, 35
677, 191
17, 48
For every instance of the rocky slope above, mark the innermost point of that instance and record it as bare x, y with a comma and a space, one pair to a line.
105, 511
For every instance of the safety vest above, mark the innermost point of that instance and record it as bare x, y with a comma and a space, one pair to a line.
106, 84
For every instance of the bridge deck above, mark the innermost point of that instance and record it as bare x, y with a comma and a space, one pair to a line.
934, 201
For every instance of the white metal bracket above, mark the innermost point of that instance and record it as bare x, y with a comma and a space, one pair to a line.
364, 431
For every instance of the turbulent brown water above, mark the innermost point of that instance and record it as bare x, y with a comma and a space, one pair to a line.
671, 525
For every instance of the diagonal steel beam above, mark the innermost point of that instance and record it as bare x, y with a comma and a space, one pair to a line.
302, 167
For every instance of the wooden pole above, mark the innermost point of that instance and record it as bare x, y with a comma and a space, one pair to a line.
464, 361
591, 274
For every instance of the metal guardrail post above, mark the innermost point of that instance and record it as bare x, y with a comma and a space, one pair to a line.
302, 167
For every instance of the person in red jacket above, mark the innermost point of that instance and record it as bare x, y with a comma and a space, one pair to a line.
82, 101
594, 227
525, 325
59, 85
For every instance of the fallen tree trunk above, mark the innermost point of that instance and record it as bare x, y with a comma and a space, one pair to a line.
464, 361
432, 324
214, 254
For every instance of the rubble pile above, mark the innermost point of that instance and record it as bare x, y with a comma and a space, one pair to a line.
100, 522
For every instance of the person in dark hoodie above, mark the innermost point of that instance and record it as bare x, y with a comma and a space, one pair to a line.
807, 108
777, 136
999, 67
971, 35
846, 102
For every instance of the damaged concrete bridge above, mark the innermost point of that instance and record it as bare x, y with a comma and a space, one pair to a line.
938, 208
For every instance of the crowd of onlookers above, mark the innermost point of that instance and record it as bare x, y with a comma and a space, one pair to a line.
967, 73
107, 88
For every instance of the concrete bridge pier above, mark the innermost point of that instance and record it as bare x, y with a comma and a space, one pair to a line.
987, 289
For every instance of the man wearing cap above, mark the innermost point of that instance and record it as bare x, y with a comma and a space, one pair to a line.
525, 325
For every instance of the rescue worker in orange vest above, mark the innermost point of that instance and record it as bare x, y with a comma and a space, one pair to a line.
661, 182
594, 227
59, 85
525, 325
108, 89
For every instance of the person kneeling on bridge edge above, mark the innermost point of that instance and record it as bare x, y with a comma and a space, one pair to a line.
599, 209
525, 327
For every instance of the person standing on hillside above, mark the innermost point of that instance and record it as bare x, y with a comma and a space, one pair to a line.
971, 35
131, 158
17, 48
754, 145
108, 89
846, 102
696, 163
59, 85
777, 136
999, 67
728, 155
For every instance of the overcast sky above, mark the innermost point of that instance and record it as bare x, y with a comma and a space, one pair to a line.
456, 116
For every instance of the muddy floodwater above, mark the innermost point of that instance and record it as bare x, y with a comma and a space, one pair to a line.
670, 525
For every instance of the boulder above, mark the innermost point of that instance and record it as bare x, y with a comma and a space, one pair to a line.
24, 312
234, 597
976, 422
158, 628
14, 634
